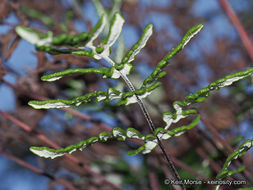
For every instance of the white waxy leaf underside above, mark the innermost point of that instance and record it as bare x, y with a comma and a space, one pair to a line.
46, 154
113, 35
52, 79
163, 135
49, 105
230, 81
115, 30
133, 99
191, 36
125, 71
149, 146
100, 98
132, 134
97, 32
142, 44
248, 144
104, 137
168, 119
113, 95
34, 38
117, 133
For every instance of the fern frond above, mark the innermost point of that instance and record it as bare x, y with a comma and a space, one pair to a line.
96, 30
239, 152
203, 93
130, 56
158, 73
34, 37
119, 134
56, 51
75, 40
114, 32
111, 94
162, 134
200, 96
83, 41
58, 75
94, 96
177, 115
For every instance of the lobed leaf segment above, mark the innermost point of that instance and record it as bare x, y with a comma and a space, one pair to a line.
125, 98
119, 134
102, 11
158, 71
228, 80
239, 152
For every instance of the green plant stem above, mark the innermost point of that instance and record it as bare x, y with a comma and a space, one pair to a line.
150, 123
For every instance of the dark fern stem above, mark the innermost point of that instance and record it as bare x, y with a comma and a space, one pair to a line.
152, 129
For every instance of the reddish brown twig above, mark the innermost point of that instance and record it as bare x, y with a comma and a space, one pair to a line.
189, 169
205, 156
38, 171
184, 166
239, 27
168, 175
44, 139
69, 110
216, 134
152, 176
153, 180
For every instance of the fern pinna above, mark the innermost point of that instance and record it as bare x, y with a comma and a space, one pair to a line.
85, 44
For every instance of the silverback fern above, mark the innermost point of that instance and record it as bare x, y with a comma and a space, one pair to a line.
85, 44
